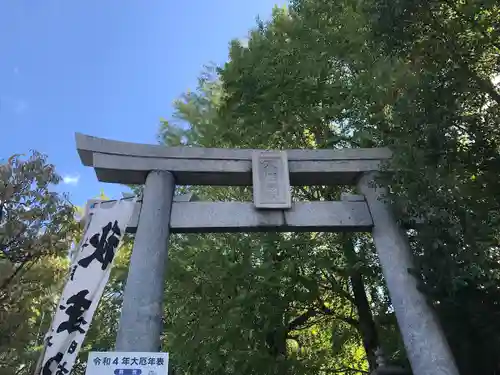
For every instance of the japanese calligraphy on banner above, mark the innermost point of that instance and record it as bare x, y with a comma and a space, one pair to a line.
126, 363
89, 273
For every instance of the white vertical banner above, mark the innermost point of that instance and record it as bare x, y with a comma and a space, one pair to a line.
89, 274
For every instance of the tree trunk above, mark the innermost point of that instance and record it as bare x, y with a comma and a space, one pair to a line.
367, 327
276, 341
366, 323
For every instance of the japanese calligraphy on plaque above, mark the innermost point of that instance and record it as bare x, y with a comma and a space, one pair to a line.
271, 180
87, 278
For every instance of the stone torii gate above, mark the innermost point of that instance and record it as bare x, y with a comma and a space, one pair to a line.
270, 173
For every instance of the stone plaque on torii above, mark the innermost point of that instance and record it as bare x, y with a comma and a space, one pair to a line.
270, 173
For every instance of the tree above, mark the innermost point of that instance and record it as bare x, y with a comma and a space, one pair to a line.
417, 77
424, 72
412, 76
34, 220
36, 231
208, 128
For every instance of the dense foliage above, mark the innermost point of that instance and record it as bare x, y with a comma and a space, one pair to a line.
36, 231
419, 77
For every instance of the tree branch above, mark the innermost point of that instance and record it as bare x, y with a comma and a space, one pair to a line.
354, 322
483, 84
338, 288
474, 25
302, 319
8, 280
343, 369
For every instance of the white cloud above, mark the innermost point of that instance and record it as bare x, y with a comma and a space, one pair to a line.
71, 179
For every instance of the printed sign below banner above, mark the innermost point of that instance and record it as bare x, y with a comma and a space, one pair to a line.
127, 363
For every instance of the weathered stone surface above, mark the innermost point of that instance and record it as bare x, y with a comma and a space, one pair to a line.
424, 340
87, 145
271, 182
352, 197
133, 170
141, 317
329, 216
129, 163
195, 217
222, 217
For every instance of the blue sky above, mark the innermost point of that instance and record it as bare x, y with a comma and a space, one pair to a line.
106, 68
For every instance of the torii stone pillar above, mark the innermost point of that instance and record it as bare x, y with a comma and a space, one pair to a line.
426, 346
141, 317
157, 167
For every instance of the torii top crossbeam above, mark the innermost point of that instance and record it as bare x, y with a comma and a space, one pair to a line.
129, 163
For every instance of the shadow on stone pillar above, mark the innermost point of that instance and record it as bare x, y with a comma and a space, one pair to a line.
425, 342
141, 324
